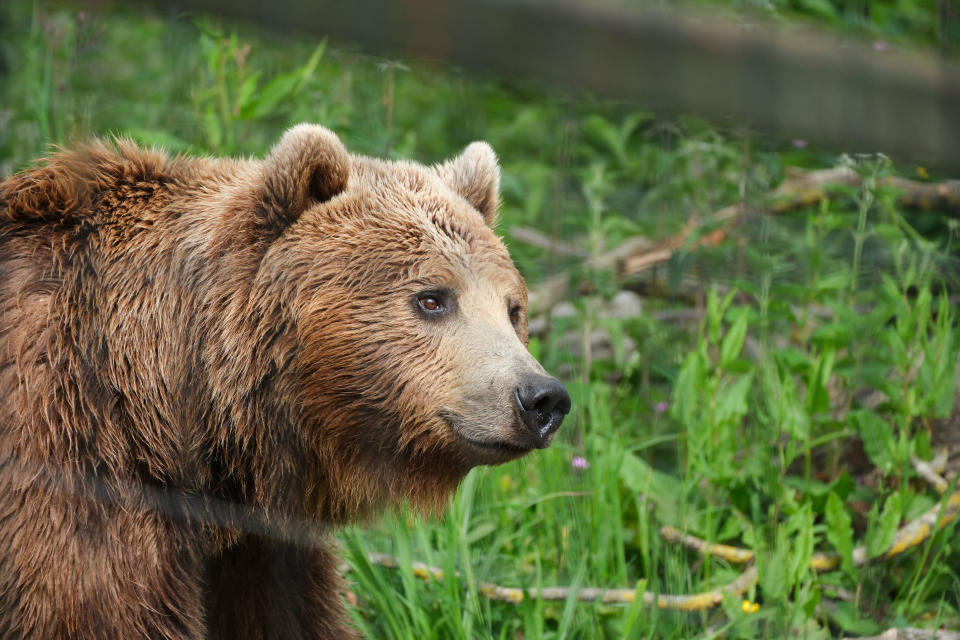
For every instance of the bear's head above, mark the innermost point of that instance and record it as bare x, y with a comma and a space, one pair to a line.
410, 321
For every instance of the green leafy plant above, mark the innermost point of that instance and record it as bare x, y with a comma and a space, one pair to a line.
234, 93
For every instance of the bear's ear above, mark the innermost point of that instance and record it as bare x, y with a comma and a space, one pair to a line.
308, 165
475, 175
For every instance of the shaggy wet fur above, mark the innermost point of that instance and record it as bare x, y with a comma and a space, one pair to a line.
199, 356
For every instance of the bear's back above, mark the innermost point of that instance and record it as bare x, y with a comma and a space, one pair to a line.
86, 293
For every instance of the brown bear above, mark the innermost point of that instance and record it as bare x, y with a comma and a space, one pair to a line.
206, 364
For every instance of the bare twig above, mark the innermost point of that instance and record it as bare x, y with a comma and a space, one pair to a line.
516, 595
736, 555
804, 188
930, 471
541, 240
907, 537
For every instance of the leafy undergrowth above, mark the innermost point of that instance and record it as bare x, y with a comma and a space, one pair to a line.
770, 394
925, 22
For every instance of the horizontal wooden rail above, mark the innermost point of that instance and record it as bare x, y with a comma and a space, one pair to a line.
798, 83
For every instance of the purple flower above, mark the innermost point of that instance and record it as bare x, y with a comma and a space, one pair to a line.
880, 45
799, 143
579, 462
661, 407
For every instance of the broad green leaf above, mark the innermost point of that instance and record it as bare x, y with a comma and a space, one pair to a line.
733, 342
609, 135
773, 572
840, 531
246, 91
267, 98
791, 359
813, 488
306, 71
732, 400
687, 390
661, 489
881, 530
479, 532
283, 86
800, 524
818, 397
836, 281
833, 333
877, 437
716, 310
847, 618
917, 505
820, 8
214, 132
796, 421
921, 446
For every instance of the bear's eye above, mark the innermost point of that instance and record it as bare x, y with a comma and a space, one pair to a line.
429, 303
434, 303
515, 315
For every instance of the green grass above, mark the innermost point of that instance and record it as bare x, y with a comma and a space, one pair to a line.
747, 424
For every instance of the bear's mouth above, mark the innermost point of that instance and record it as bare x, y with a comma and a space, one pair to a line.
490, 450
495, 445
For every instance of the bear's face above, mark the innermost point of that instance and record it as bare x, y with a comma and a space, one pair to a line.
411, 324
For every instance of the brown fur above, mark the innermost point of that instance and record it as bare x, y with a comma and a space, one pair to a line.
196, 355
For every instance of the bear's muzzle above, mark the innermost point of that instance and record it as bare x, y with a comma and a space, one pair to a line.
541, 402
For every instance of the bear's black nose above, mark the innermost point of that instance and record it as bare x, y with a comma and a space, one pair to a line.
541, 402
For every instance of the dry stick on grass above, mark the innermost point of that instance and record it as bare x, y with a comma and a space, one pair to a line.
808, 187
541, 240
516, 595
930, 471
907, 537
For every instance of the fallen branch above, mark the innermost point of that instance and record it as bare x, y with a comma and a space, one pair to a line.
628, 264
735, 555
541, 240
930, 471
907, 537
516, 595
804, 188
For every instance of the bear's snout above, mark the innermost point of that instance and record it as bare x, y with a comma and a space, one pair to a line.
541, 402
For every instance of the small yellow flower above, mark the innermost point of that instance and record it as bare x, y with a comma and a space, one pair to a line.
750, 607
922, 172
